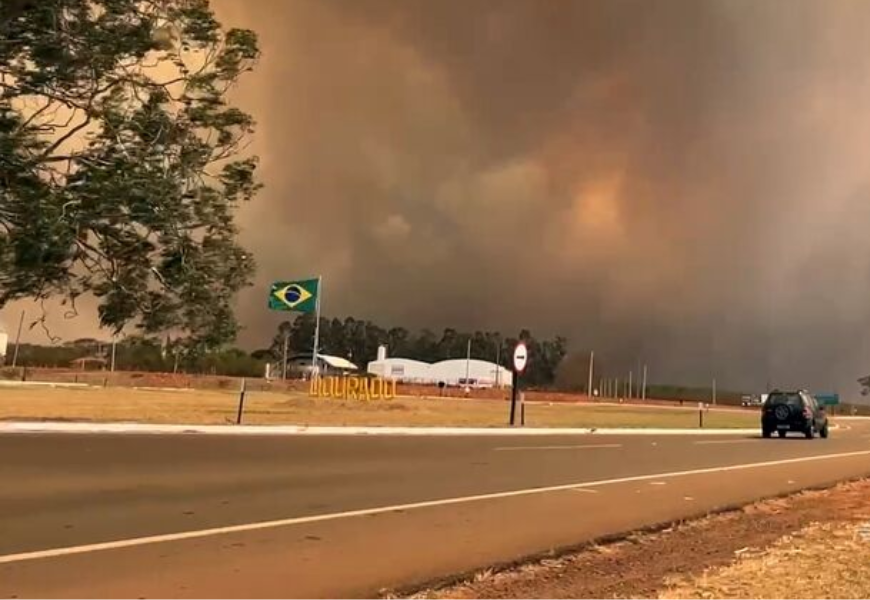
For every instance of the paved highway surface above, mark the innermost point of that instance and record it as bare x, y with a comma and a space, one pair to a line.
192, 516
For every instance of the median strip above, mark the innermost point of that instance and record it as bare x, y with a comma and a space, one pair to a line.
147, 428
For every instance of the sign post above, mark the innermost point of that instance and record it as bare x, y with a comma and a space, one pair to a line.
242, 391
521, 357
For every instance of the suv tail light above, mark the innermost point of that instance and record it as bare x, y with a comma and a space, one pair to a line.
807, 412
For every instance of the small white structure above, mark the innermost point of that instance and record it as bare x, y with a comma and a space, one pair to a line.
300, 365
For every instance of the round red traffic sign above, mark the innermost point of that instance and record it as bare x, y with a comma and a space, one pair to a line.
521, 357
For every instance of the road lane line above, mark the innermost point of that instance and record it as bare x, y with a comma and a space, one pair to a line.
202, 533
575, 447
725, 441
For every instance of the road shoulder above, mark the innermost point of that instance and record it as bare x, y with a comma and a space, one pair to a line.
741, 553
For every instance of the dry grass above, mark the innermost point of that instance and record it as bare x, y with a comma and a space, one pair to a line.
813, 544
218, 407
823, 560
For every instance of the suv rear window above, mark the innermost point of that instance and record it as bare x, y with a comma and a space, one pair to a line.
794, 400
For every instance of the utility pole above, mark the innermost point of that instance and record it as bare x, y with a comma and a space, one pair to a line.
498, 365
284, 362
591, 367
637, 385
643, 393
616, 388
468, 363
17, 340
714, 391
630, 388
114, 343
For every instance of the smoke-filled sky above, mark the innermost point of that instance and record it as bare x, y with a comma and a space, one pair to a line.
682, 183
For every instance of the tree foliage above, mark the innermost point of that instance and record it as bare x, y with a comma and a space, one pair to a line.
359, 340
142, 353
121, 161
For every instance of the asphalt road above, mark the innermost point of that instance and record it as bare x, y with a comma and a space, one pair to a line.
351, 516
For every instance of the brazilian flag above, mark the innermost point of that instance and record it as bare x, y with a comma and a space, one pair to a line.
298, 296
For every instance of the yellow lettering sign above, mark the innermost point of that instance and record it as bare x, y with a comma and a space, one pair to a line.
353, 387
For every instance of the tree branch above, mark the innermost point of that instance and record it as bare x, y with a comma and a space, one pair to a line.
60, 141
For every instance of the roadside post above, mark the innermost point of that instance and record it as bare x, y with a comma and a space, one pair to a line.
521, 357
242, 390
700, 415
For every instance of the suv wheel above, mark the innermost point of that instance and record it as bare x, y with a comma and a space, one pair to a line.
824, 432
810, 432
781, 433
765, 433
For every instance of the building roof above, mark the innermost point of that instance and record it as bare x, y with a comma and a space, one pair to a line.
400, 361
337, 362
87, 359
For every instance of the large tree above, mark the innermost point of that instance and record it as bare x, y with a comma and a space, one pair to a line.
121, 161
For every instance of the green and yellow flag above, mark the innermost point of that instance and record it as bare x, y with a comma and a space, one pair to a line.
299, 296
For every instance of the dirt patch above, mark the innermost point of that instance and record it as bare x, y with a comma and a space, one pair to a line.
693, 559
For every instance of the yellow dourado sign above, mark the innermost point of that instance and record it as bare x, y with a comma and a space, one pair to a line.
353, 387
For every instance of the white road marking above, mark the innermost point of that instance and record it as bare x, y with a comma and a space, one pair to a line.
741, 441
658, 483
575, 447
203, 533
583, 490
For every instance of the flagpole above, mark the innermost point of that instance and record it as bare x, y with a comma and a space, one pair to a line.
314, 369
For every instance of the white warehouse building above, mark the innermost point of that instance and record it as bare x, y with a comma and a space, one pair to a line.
405, 370
454, 372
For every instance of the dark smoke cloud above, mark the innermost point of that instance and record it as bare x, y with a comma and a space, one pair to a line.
681, 183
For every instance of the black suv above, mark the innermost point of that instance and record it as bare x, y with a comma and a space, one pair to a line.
793, 411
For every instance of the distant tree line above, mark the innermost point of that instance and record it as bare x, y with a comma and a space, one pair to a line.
358, 341
354, 339
140, 353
